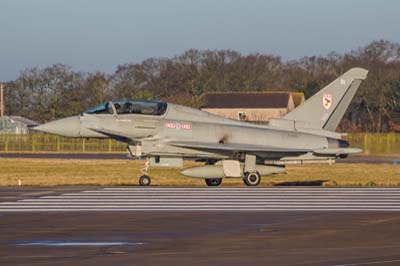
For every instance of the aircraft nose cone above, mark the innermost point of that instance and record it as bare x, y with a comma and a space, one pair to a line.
67, 127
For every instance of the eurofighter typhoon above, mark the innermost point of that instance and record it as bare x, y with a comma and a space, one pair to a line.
165, 134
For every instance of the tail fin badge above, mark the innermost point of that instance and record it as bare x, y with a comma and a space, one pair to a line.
327, 100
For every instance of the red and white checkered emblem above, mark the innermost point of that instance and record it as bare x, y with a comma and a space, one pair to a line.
327, 100
178, 125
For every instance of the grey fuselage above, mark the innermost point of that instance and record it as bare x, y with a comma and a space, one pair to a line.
180, 124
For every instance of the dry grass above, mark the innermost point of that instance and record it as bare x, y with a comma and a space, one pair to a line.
51, 172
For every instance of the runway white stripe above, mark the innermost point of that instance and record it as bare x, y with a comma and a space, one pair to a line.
214, 199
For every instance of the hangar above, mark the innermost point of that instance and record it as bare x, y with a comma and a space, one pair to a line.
16, 125
256, 107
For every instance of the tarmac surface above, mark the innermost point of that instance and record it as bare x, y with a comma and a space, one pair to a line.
199, 226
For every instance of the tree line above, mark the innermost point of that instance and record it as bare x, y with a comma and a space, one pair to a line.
44, 94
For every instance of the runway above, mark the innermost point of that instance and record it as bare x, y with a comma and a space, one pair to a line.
296, 226
210, 199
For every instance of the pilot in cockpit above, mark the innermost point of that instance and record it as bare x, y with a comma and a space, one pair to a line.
117, 108
126, 109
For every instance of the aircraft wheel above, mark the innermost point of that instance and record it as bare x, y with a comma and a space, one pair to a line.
144, 180
213, 182
252, 179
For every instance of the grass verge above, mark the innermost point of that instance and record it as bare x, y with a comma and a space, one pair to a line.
54, 172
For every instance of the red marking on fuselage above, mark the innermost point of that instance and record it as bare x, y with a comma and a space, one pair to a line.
178, 125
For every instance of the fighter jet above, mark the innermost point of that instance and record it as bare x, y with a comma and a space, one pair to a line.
165, 134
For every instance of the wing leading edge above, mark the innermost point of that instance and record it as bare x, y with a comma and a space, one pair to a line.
235, 147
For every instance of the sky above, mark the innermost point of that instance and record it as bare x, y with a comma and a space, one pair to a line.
98, 35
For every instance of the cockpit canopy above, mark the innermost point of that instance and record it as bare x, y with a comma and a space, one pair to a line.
130, 107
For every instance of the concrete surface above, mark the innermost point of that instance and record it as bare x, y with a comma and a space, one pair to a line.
207, 237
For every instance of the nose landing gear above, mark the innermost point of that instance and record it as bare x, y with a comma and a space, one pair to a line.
145, 180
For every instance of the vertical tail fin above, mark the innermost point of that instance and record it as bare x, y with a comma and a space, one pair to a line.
326, 108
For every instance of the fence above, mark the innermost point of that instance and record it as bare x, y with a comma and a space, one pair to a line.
50, 143
371, 144
376, 143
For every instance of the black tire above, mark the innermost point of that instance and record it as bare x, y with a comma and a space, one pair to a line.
144, 180
213, 182
252, 179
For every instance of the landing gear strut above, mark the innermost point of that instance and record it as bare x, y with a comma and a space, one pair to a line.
145, 180
213, 182
252, 178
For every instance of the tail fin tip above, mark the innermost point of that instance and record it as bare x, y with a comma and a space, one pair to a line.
326, 108
357, 73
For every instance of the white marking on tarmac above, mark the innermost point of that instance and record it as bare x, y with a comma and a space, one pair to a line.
73, 244
369, 263
213, 199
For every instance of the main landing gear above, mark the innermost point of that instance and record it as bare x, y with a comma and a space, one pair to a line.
145, 180
213, 182
252, 179
250, 175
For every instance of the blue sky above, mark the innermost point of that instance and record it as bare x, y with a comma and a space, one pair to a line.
92, 35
